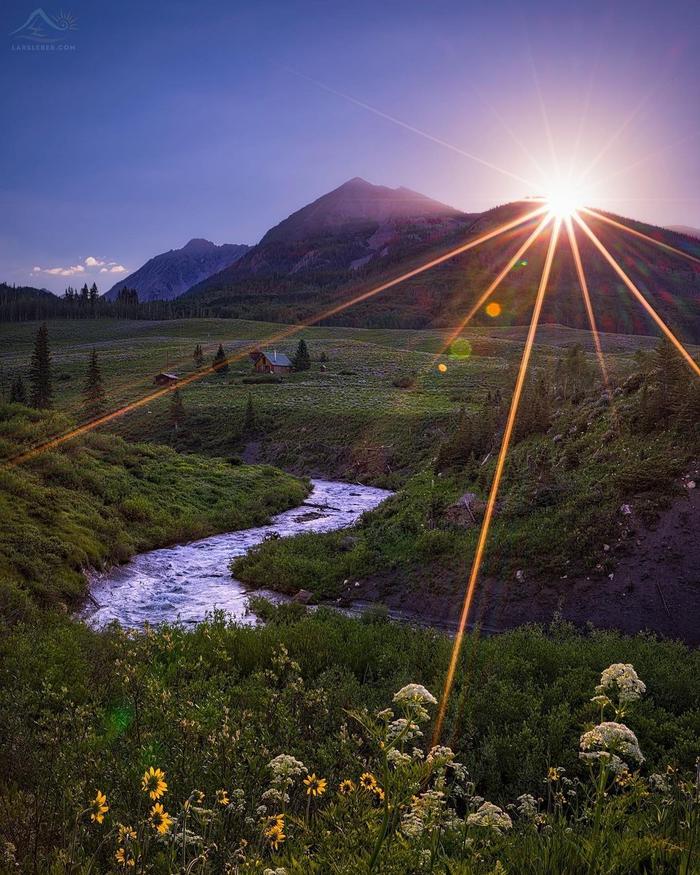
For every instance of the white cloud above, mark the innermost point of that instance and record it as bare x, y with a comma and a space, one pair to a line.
65, 271
89, 263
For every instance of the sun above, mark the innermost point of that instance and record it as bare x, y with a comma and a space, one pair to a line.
563, 199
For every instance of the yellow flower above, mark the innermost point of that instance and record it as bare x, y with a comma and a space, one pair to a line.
315, 786
160, 819
222, 797
553, 774
379, 793
346, 787
126, 833
368, 781
123, 859
274, 831
153, 783
98, 807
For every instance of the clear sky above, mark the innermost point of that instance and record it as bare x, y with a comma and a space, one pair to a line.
164, 121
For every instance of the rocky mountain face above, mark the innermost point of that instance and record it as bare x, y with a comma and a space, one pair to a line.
356, 228
169, 274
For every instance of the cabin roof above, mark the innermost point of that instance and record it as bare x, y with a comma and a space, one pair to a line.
277, 358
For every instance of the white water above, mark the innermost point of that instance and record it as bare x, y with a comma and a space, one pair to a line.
185, 582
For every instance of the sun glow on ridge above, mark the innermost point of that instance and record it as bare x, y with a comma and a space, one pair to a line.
563, 199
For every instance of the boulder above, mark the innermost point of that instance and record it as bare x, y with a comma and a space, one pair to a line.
303, 597
466, 512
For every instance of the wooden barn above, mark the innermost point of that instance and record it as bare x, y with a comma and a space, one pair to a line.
164, 379
265, 362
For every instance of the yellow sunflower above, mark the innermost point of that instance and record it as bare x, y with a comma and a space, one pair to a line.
368, 781
153, 783
346, 787
315, 786
98, 807
123, 859
160, 819
126, 833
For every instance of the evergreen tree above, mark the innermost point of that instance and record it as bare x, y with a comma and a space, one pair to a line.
40, 371
302, 359
18, 394
198, 356
177, 410
249, 416
94, 295
93, 390
220, 364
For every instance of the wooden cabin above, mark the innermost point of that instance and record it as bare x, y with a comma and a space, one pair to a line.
266, 362
164, 379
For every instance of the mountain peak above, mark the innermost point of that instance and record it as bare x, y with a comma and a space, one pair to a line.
199, 244
356, 201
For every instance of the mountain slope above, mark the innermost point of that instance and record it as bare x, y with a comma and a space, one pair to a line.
353, 228
169, 274
288, 278
685, 229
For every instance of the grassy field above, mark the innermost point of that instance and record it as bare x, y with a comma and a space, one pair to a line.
212, 709
102, 500
347, 419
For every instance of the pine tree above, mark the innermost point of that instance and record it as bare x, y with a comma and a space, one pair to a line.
198, 356
94, 294
18, 394
302, 360
40, 371
177, 410
220, 364
249, 416
93, 390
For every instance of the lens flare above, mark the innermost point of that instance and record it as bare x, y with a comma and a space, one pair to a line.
493, 309
442, 368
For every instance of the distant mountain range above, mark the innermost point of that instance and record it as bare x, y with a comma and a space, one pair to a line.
360, 234
169, 274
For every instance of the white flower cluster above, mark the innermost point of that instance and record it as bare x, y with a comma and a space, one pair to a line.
528, 806
612, 743
406, 730
426, 812
280, 870
440, 755
490, 816
396, 758
284, 770
415, 693
414, 698
620, 683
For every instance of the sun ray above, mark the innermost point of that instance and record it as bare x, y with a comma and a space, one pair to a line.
498, 473
587, 299
492, 288
281, 335
639, 234
413, 129
639, 296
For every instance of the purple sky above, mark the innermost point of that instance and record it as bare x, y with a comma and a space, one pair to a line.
174, 120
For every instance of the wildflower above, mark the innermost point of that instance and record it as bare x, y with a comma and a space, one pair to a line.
490, 816
222, 797
160, 819
396, 758
554, 774
415, 694
379, 793
620, 682
124, 858
440, 755
528, 806
315, 786
153, 783
126, 833
346, 787
98, 807
368, 781
404, 729
274, 831
285, 769
611, 743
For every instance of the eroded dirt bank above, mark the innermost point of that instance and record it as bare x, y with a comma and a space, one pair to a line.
655, 586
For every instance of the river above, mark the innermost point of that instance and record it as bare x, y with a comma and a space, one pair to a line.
185, 582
